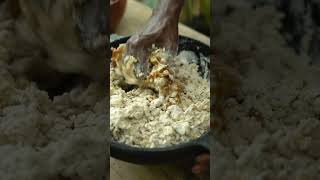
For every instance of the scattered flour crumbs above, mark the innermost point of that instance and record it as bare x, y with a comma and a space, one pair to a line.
44, 139
174, 108
273, 132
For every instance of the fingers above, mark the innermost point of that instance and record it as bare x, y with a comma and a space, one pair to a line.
201, 164
138, 48
161, 32
197, 169
204, 158
170, 43
142, 68
132, 44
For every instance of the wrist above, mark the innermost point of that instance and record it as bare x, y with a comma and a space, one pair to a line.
168, 9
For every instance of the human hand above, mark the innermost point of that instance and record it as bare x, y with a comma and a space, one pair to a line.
201, 164
160, 30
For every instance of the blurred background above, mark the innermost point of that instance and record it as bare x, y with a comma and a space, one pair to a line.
195, 14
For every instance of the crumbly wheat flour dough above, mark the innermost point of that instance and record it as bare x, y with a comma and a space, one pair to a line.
40, 138
172, 106
273, 130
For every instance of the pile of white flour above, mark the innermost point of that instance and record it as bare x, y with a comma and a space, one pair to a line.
143, 117
40, 138
273, 130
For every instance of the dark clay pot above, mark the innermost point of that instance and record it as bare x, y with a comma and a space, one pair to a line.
117, 10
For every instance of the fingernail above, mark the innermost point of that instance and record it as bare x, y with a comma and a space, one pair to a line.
196, 169
203, 157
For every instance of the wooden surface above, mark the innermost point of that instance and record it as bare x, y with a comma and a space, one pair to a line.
120, 170
134, 19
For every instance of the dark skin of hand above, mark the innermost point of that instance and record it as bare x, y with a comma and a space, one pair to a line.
162, 31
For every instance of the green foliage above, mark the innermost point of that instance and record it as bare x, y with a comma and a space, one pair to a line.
150, 3
206, 10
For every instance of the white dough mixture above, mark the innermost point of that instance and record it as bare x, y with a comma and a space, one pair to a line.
173, 107
273, 129
48, 139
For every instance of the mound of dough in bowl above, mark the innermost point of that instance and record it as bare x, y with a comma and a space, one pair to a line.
171, 106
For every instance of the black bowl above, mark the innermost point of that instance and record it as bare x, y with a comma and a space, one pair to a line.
176, 152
